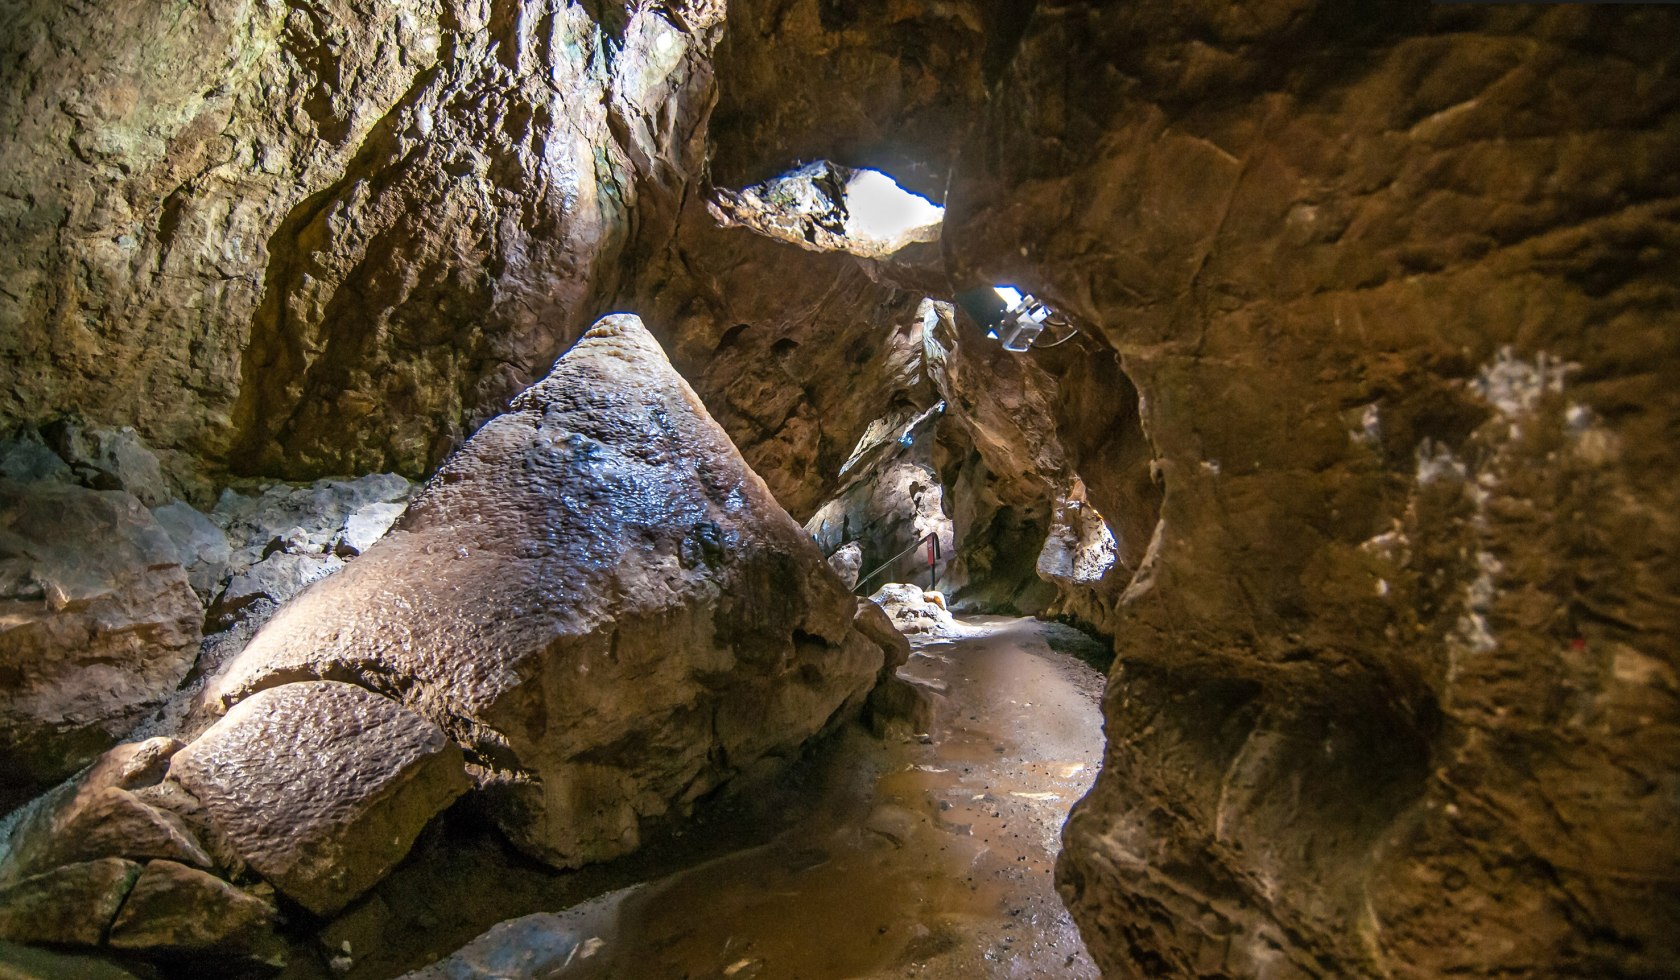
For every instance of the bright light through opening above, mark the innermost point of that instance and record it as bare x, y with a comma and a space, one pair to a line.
880, 210
1010, 295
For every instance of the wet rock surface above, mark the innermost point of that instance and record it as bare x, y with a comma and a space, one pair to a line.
598, 600
919, 859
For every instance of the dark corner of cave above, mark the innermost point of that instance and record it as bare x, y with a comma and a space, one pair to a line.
807, 490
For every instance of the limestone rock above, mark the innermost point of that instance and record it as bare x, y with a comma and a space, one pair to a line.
1408, 388
100, 624
98, 814
174, 908
19, 962
111, 459
364, 527
26, 459
874, 622
542, 944
913, 609
202, 546
327, 817
598, 599
321, 511
893, 498
1080, 548
110, 822
847, 562
73, 904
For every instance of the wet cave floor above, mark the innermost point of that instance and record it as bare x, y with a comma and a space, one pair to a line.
920, 857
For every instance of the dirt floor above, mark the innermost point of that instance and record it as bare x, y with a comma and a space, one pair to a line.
923, 857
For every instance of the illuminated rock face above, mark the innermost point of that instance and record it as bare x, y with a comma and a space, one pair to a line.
598, 599
282, 219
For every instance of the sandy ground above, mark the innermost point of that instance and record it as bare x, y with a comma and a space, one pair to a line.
927, 857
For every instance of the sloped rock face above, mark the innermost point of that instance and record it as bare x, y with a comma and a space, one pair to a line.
100, 624
1396, 691
70, 905
598, 599
176, 909
245, 226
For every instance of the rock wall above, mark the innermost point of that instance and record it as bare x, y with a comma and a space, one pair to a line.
300, 239
1397, 682
1375, 388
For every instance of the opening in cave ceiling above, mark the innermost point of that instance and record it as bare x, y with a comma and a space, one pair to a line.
827, 207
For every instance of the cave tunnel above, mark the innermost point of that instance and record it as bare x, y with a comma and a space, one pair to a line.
544, 488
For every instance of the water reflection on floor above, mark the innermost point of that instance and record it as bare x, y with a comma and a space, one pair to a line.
921, 858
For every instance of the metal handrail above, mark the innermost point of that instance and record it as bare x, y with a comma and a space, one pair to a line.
934, 556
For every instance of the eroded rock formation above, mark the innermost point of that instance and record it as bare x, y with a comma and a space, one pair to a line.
1396, 683
598, 600
595, 598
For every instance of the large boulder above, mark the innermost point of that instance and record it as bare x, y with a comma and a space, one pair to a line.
912, 609
330, 814
598, 599
98, 624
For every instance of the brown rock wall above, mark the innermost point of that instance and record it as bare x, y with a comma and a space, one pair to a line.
1380, 281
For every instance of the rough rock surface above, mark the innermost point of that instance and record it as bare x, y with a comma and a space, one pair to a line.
260, 589
174, 908
1396, 691
847, 562
73, 904
891, 498
202, 546
96, 823
1375, 387
329, 815
913, 610
110, 459
37, 963
100, 624
598, 599
251, 224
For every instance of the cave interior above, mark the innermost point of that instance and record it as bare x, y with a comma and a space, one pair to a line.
790, 488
